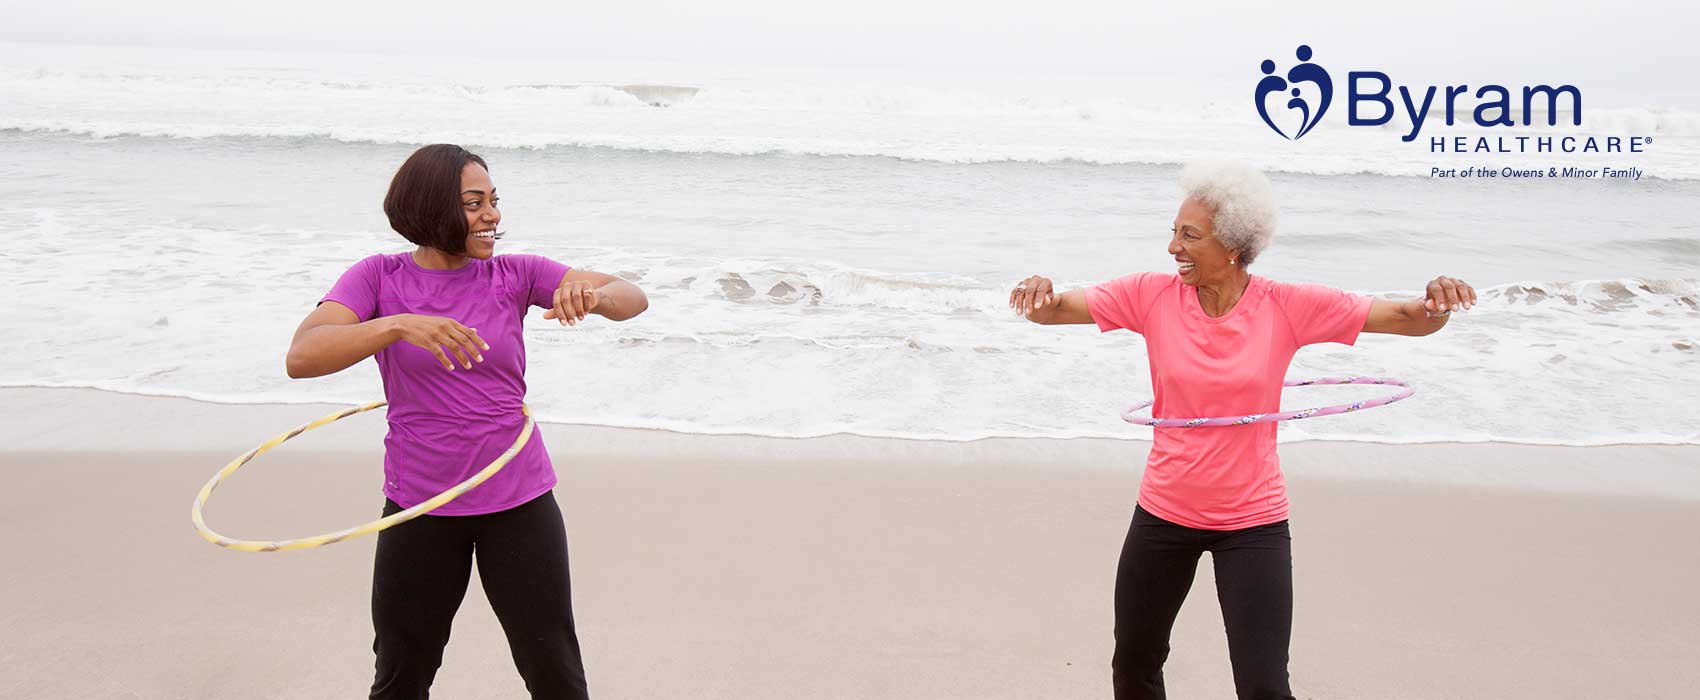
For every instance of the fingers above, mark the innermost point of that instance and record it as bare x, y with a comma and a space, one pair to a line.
438, 351
465, 341
1031, 294
575, 301
1449, 287
473, 333
1042, 294
1446, 294
561, 307
448, 340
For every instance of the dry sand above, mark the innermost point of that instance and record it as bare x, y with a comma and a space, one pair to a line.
736, 567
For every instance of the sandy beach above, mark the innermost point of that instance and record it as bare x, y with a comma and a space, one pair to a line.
839, 567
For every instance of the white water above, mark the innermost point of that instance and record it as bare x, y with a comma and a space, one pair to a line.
744, 111
173, 221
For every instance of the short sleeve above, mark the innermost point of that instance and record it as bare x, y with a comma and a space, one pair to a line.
1124, 301
1319, 314
357, 289
541, 277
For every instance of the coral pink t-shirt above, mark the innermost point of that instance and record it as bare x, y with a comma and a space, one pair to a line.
1220, 478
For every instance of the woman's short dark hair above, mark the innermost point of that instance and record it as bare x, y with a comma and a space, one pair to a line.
424, 199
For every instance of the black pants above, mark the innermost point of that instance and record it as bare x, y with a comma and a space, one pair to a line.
420, 575
1254, 584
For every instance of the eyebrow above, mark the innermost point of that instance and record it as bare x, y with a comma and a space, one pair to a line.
477, 192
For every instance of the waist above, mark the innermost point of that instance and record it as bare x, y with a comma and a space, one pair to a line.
491, 414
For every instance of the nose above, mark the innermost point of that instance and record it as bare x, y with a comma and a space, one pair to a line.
1175, 245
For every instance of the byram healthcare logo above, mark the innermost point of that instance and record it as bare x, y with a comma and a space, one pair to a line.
1373, 99
1304, 72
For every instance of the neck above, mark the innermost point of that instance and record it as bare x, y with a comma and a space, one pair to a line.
433, 259
1217, 297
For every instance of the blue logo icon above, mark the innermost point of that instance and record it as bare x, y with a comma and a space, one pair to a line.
1304, 72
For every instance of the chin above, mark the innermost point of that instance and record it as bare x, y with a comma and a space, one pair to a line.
480, 249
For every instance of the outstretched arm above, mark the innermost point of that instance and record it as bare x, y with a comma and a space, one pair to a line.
1421, 316
584, 292
1035, 299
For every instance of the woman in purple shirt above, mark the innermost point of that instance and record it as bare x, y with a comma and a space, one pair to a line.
445, 324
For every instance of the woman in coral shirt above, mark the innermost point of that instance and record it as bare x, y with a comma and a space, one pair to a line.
1219, 340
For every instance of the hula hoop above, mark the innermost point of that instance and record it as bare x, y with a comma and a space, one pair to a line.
1402, 394
433, 503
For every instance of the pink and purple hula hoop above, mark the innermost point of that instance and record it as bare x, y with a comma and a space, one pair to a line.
1403, 393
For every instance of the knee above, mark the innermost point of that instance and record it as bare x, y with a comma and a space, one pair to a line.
408, 647
1137, 657
1137, 674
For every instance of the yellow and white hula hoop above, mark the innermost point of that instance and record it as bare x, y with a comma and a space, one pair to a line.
433, 503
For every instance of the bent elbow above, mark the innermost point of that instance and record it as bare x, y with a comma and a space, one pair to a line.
639, 305
296, 367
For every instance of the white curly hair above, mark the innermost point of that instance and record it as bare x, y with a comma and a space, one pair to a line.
1242, 205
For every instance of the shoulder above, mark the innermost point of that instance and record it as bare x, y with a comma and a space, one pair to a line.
374, 267
1288, 292
380, 263
535, 269
519, 261
1308, 303
1143, 283
1157, 281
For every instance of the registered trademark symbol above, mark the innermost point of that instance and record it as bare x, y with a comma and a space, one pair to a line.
1648, 140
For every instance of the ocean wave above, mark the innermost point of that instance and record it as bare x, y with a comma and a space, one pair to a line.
1603, 296
1688, 246
946, 123
1644, 121
796, 282
790, 282
759, 146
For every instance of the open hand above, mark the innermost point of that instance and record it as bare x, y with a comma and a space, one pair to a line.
439, 333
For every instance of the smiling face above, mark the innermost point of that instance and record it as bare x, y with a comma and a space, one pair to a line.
1200, 257
478, 200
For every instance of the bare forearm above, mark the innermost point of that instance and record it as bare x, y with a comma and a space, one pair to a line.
1048, 307
331, 348
621, 300
1417, 321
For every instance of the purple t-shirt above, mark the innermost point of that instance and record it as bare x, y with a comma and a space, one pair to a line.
446, 426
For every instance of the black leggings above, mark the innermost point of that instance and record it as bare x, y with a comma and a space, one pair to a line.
420, 575
1254, 583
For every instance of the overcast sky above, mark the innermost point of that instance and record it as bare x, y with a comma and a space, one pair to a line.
1611, 48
